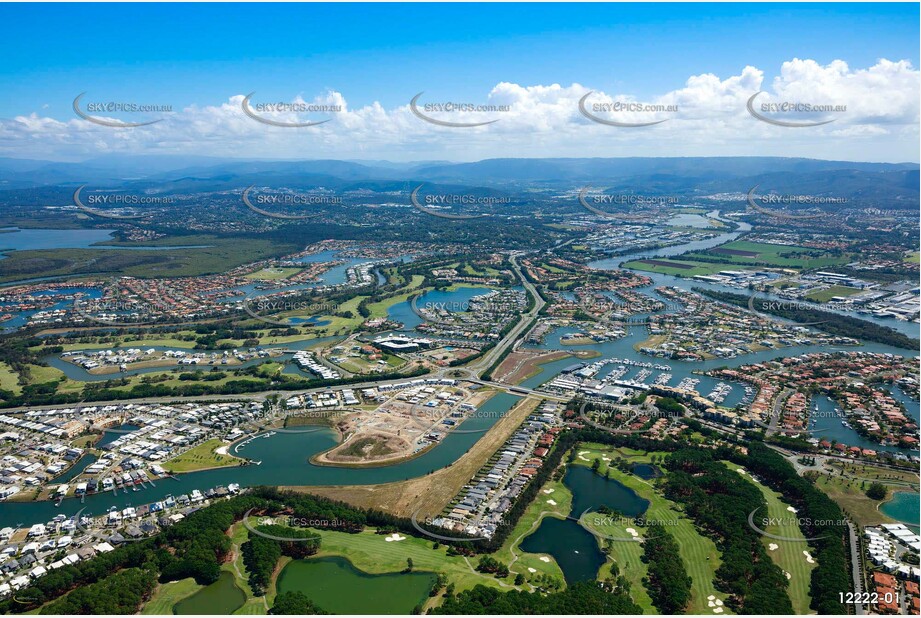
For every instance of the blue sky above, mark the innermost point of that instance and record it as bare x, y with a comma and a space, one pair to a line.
206, 53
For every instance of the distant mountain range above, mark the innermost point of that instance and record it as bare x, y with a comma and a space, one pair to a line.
895, 183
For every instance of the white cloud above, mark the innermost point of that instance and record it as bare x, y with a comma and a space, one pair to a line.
881, 123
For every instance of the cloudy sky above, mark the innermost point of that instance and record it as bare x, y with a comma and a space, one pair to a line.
690, 69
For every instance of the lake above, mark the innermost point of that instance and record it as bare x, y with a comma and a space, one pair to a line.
221, 597
904, 507
19, 239
646, 471
576, 549
336, 586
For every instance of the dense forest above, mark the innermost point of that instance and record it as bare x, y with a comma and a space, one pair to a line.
262, 551
719, 501
667, 580
820, 518
580, 598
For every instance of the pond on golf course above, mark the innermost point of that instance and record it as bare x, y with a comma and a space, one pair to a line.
336, 586
576, 549
221, 597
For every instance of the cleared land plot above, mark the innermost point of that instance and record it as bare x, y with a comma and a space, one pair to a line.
432, 491
724, 251
273, 274
221, 255
682, 268
850, 494
745, 252
823, 296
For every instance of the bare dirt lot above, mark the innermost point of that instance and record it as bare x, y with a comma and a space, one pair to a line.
522, 364
430, 493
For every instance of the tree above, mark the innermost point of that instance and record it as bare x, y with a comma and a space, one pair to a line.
877, 491
293, 603
519, 579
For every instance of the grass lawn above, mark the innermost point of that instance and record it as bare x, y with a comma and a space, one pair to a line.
850, 496
913, 257
369, 552
9, 379
273, 274
167, 595
669, 266
823, 296
700, 555
520, 561
200, 457
788, 555
379, 309
774, 255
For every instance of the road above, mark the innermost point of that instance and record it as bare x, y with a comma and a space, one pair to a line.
471, 372
486, 361
856, 566
776, 411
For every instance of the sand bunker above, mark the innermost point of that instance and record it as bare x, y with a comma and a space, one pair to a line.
772, 546
544, 559
395, 537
